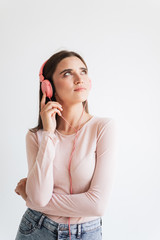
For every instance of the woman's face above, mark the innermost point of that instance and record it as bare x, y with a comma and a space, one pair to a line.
71, 73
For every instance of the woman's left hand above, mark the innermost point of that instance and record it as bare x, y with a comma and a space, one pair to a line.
21, 188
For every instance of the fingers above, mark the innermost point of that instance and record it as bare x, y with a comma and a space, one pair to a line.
53, 111
43, 100
16, 190
22, 180
20, 184
50, 104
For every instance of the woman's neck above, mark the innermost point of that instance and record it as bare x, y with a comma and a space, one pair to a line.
76, 121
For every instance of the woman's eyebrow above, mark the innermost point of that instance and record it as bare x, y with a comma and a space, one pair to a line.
69, 69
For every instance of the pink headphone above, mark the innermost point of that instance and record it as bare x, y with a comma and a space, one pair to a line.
47, 88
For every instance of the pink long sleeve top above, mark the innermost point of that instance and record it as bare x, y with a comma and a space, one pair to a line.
92, 171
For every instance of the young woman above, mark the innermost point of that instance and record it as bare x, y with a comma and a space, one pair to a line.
70, 155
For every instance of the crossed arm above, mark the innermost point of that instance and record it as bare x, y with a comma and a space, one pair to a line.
96, 199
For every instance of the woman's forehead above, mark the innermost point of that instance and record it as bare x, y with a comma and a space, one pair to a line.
69, 62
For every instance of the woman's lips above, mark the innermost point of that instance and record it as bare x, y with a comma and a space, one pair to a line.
80, 89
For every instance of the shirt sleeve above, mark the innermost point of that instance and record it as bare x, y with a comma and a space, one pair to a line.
39, 185
95, 201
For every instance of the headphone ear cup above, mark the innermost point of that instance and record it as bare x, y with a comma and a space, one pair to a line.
46, 87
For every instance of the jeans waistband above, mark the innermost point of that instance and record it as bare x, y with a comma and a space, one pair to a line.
41, 219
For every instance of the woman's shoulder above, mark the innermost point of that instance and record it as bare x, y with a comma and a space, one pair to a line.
33, 136
101, 121
105, 126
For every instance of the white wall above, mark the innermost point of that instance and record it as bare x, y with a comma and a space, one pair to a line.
119, 40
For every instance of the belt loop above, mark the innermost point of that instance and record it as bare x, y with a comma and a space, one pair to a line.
101, 221
41, 221
79, 229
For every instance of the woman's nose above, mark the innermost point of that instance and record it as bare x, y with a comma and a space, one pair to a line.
78, 79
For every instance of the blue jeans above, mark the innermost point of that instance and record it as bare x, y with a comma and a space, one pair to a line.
35, 225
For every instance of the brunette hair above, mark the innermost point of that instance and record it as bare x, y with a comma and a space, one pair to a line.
48, 71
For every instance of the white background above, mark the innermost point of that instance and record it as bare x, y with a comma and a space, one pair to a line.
120, 42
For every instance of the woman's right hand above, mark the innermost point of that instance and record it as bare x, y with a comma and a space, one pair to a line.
48, 112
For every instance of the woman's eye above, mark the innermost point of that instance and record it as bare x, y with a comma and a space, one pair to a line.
65, 74
84, 71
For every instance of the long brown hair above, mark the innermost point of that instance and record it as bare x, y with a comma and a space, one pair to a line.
48, 71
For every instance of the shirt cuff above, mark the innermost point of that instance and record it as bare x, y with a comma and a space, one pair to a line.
51, 135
